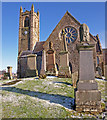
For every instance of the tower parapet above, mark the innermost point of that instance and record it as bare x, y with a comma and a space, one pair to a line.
28, 29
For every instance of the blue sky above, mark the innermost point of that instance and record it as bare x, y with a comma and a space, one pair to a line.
91, 13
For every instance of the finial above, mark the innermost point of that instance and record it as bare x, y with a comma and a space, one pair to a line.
21, 10
97, 35
32, 8
37, 12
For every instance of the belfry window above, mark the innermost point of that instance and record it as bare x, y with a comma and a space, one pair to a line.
26, 22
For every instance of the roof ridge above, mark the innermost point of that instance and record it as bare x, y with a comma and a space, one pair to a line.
73, 17
61, 20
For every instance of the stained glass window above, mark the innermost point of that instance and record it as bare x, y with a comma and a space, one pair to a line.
70, 34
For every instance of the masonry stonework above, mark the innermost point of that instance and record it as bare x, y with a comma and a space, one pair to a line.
29, 44
105, 62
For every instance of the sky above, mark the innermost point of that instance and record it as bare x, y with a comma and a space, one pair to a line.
91, 13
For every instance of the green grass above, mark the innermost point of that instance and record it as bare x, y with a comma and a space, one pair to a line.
102, 88
44, 98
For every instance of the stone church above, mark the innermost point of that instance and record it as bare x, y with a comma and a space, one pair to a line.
58, 55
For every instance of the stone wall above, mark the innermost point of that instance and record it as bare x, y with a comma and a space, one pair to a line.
54, 37
22, 67
105, 62
27, 66
105, 71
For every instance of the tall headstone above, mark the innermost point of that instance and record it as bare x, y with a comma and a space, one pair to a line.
51, 69
64, 70
9, 69
43, 68
88, 98
74, 79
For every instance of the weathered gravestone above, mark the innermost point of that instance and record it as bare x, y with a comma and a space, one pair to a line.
98, 72
51, 69
105, 67
64, 70
88, 98
9, 72
74, 79
43, 68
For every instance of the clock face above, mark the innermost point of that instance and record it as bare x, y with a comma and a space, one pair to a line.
25, 32
70, 34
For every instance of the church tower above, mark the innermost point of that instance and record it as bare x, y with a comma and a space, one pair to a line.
28, 30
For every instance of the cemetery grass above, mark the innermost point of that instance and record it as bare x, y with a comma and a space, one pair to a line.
40, 98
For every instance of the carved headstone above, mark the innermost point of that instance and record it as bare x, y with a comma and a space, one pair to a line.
9, 72
64, 44
105, 67
88, 98
51, 70
98, 72
84, 33
43, 69
74, 78
64, 70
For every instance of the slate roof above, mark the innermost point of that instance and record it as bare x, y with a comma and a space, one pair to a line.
38, 47
27, 52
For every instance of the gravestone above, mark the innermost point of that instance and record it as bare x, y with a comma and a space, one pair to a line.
43, 68
64, 70
9, 72
98, 72
74, 79
87, 97
105, 72
51, 70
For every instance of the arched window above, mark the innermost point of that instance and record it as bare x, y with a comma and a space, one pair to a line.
26, 22
97, 60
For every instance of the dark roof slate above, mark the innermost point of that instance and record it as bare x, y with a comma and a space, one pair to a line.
27, 52
38, 47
